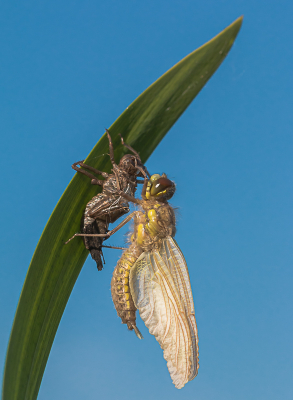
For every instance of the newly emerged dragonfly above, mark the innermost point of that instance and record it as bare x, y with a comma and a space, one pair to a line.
107, 206
152, 276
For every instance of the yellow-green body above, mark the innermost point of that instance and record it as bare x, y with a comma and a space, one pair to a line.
155, 221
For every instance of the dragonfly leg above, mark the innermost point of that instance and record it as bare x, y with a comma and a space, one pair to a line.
108, 234
111, 149
77, 167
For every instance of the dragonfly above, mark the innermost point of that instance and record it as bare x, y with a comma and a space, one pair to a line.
107, 206
152, 277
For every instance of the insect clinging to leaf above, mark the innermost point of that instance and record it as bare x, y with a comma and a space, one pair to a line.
152, 276
107, 206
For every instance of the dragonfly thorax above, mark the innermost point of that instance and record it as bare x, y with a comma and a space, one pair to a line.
154, 222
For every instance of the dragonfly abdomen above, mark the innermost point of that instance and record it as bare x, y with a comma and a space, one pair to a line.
120, 288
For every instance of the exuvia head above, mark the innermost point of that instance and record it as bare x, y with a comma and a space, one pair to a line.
133, 166
128, 164
159, 187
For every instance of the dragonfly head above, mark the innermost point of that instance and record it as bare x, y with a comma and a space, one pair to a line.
160, 188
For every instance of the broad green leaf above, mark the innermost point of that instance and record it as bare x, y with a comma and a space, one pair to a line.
55, 267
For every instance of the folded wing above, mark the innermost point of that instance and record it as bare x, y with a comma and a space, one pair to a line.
177, 266
159, 292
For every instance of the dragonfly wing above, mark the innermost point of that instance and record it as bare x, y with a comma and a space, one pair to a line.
176, 264
158, 301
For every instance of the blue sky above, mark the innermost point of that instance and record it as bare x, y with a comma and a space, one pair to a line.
69, 69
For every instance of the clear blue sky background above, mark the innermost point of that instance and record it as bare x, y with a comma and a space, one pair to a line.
69, 69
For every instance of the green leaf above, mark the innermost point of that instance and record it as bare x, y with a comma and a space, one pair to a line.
55, 267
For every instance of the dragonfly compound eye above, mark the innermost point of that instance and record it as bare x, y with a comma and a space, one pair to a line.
160, 185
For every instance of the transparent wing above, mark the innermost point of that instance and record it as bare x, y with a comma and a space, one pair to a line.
158, 300
176, 264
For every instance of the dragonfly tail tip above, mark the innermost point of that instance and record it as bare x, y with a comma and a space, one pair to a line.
137, 332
